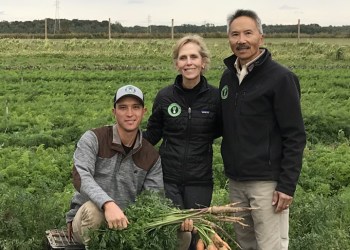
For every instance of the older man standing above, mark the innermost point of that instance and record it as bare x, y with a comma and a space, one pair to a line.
263, 134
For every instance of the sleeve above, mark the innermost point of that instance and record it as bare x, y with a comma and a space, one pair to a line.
85, 157
288, 113
155, 124
154, 178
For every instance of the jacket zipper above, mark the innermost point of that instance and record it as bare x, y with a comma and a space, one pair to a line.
236, 98
189, 110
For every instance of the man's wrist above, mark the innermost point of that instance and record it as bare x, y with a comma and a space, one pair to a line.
107, 204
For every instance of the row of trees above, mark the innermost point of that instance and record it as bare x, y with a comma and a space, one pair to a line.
94, 27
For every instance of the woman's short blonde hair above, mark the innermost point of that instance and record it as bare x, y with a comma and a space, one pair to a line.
196, 39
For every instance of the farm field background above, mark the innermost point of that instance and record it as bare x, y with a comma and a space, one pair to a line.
52, 91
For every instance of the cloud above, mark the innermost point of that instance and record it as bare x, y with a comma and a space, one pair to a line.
2, 12
286, 7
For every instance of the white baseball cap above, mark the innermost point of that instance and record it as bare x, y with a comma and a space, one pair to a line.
129, 90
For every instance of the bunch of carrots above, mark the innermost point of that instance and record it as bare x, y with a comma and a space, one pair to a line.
216, 244
205, 221
153, 214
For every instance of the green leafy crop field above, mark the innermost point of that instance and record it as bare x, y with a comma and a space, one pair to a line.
52, 91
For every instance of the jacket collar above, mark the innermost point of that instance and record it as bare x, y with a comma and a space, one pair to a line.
178, 83
230, 61
116, 143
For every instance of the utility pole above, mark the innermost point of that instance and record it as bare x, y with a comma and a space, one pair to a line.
109, 29
298, 30
57, 26
45, 28
149, 23
172, 29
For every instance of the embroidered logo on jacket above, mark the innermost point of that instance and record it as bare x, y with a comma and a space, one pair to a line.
224, 92
174, 109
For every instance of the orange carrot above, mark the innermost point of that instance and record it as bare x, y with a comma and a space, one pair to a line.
219, 243
200, 245
211, 246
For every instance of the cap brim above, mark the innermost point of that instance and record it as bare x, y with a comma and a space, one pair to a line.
131, 95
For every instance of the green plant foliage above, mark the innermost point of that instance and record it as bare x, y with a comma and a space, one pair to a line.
24, 216
326, 169
36, 169
53, 91
147, 207
319, 222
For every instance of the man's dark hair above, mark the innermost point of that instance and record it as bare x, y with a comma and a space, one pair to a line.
247, 13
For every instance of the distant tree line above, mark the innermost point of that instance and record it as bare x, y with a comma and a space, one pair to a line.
99, 29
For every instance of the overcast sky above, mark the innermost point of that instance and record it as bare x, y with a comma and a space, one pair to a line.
196, 12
